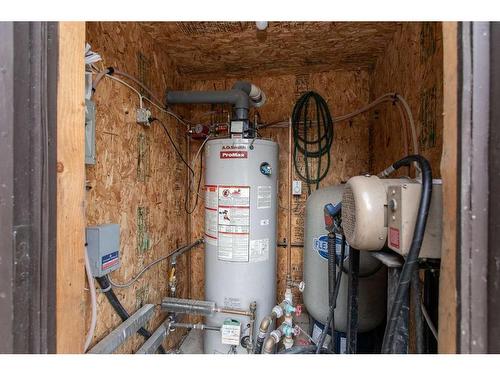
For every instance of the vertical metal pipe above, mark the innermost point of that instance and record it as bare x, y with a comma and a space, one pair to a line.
352, 303
289, 242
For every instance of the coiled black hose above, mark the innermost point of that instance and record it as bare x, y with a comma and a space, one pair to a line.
312, 140
119, 309
416, 243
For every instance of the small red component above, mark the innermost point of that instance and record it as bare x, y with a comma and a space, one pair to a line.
298, 310
199, 131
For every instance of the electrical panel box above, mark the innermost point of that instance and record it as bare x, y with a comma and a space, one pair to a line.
103, 248
402, 208
89, 132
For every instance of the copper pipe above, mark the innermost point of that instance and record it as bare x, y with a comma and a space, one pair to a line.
234, 312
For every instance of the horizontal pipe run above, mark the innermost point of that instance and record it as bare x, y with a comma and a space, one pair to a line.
125, 330
150, 346
199, 326
234, 312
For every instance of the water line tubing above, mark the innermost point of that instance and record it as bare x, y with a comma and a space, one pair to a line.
93, 301
418, 236
119, 309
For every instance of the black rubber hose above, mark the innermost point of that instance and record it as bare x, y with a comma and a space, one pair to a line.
321, 341
412, 257
119, 309
419, 324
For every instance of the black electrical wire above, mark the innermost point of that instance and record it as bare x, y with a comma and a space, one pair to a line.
416, 243
312, 143
186, 200
151, 119
119, 309
362, 275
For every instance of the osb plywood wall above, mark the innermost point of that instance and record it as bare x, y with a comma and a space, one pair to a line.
344, 92
413, 67
138, 180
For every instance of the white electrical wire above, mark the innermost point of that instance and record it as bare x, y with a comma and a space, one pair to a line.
428, 320
192, 166
135, 278
138, 276
142, 97
93, 300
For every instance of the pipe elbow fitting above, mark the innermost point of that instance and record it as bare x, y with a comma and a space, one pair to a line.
265, 324
254, 93
269, 345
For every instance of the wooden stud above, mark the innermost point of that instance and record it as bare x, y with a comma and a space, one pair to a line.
449, 168
70, 308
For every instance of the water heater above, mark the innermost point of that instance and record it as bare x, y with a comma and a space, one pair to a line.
372, 289
240, 231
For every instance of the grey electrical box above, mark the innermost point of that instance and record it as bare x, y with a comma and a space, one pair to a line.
103, 248
89, 132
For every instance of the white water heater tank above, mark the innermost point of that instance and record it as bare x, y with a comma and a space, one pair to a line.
240, 232
372, 289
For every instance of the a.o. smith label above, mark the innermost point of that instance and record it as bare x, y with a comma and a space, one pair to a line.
233, 154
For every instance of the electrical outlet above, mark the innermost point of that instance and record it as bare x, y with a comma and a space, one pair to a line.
142, 116
297, 187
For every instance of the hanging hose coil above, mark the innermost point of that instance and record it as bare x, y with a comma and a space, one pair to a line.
313, 138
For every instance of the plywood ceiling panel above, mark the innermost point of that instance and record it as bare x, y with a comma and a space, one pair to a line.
232, 49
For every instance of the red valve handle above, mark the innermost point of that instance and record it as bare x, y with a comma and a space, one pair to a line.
298, 310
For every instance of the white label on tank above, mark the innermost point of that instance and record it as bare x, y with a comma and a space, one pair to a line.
211, 197
211, 225
234, 196
230, 215
264, 222
233, 219
232, 303
264, 196
259, 250
233, 247
230, 332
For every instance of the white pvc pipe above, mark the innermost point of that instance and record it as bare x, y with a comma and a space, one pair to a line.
93, 300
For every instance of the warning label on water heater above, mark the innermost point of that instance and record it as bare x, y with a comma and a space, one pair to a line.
211, 217
233, 223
